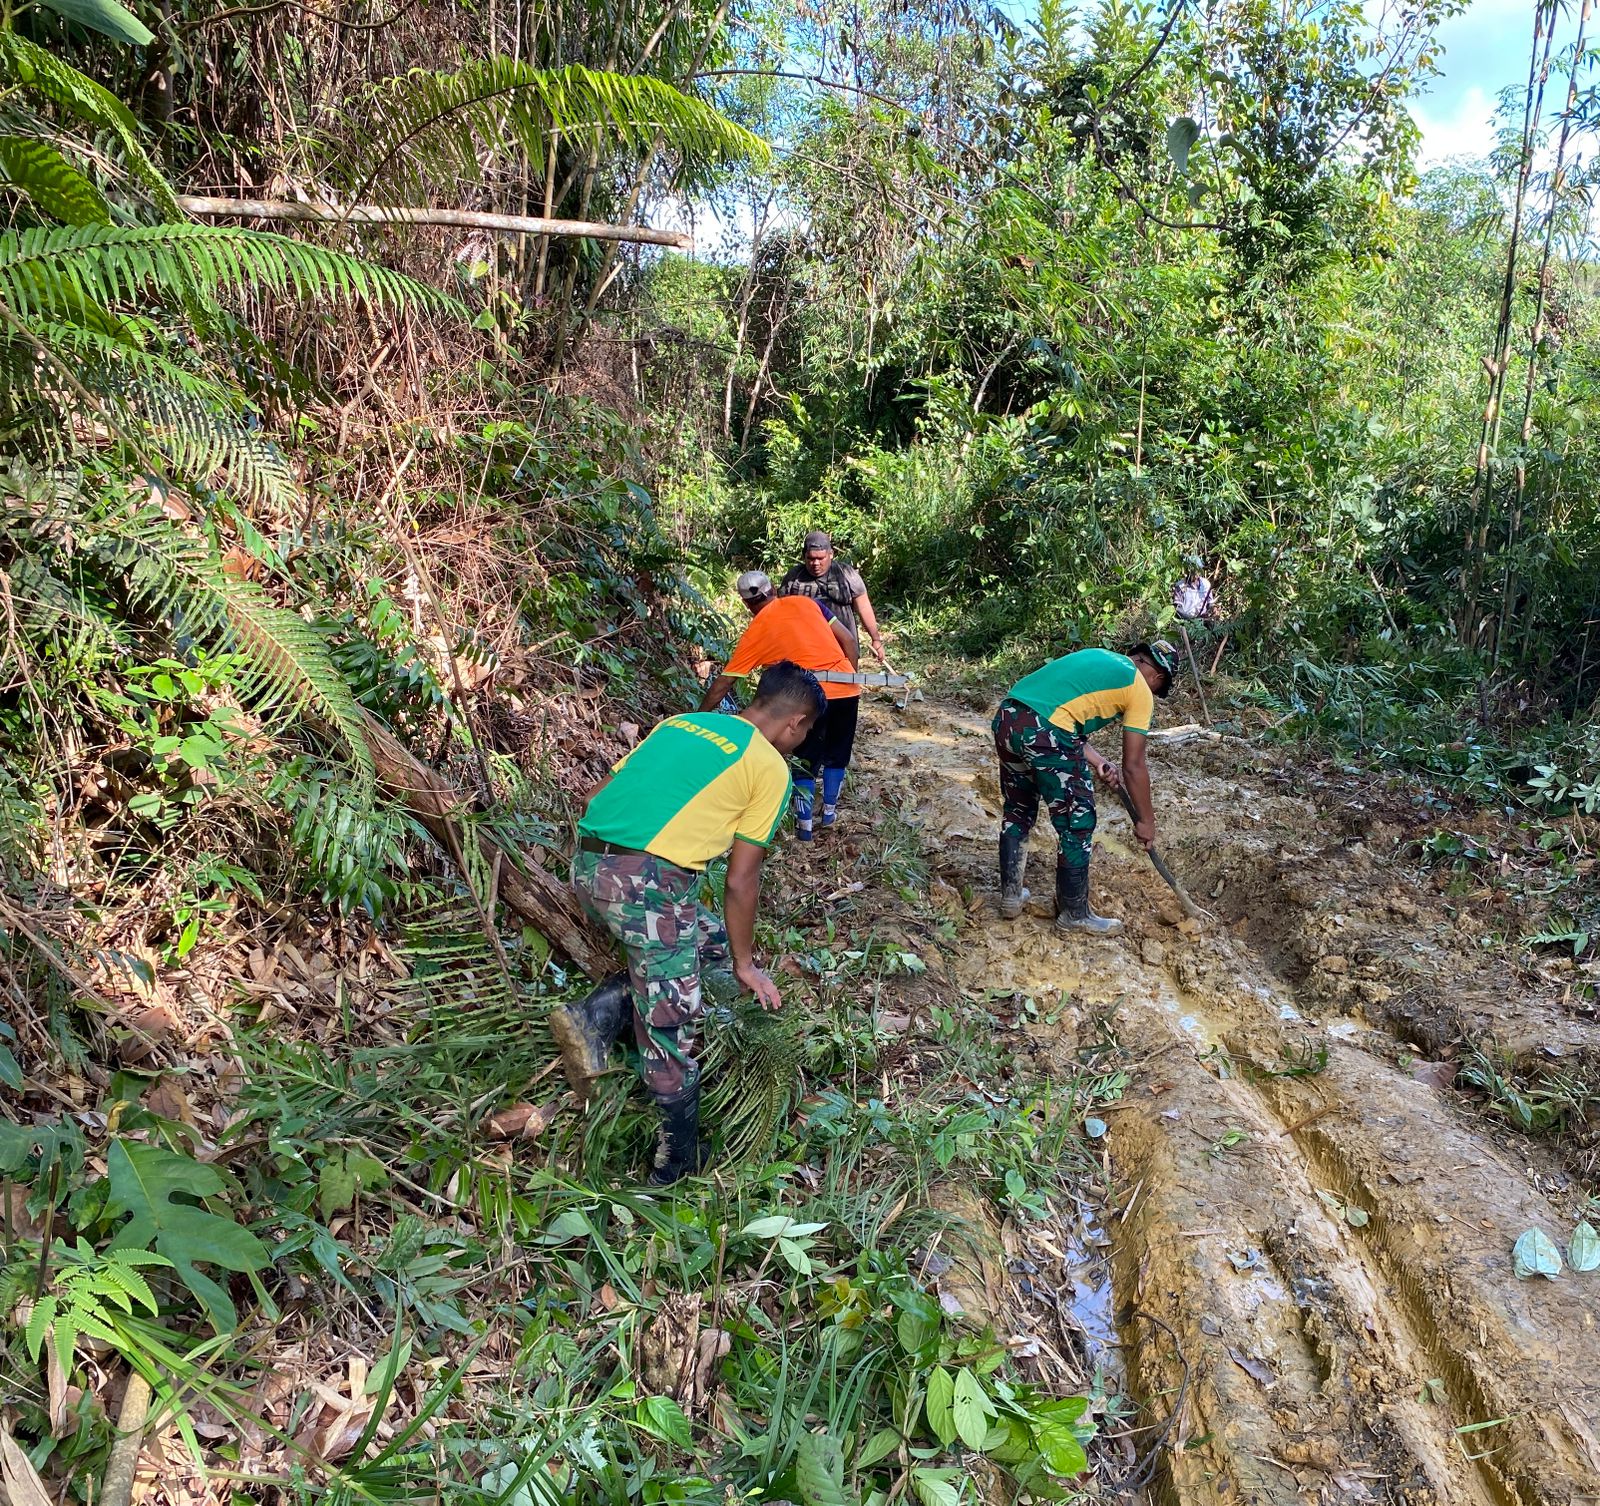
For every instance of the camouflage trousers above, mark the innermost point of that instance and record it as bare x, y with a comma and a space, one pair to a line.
653, 909
1038, 759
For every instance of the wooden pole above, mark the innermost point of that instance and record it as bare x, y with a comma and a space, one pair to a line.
1194, 669
466, 219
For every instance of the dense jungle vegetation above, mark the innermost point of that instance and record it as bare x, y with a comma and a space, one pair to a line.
340, 558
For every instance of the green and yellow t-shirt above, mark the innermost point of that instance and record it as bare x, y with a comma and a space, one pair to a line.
695, 785
1082, 692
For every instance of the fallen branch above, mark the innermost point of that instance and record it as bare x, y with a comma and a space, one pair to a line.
542, 900
466, 219
123, 1465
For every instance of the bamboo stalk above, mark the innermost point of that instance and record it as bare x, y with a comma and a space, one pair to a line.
467, 219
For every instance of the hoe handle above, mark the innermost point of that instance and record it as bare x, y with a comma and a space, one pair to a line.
1188, 905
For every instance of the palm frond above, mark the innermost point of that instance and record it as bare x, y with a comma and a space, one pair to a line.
452, 967
42, 174
42, 271
754, 1068
423, 126
27, 64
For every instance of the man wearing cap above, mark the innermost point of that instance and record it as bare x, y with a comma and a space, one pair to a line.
696, 787
1040, 734
795, 627
1192, 597
825, 578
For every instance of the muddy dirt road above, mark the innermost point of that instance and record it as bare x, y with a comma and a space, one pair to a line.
1313, 1232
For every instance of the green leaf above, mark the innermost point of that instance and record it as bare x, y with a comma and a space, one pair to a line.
933, 1489
146, 1183
1535, 1254
1015, 1444
940, 1405
39, 1321
54, 185
877, 1448
1181, 137
778, 1224
972, 1409
1059, 1448
10, 1071
39, 70
342, 1176
819, 1470
106, 17
1067, 1409
188, 937
796, 1257
1583, 1251
663, 1418
918, 1324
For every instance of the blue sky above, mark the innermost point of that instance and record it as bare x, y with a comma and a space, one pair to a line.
1484, 49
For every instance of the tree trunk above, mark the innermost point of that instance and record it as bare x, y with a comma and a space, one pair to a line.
539, 898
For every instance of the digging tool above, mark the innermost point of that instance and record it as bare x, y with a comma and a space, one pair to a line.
1189, 907
1194, 669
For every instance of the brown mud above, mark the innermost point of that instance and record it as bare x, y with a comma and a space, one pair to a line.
1312, 1238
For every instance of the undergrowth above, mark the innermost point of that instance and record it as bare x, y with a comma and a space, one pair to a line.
361, 1292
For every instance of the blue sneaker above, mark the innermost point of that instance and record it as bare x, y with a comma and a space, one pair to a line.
803, 830
830, 814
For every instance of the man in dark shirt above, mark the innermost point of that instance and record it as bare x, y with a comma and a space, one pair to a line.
830, 580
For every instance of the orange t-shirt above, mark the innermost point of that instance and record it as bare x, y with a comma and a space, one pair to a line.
793, 627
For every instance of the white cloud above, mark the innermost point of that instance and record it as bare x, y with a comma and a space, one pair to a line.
1464, 129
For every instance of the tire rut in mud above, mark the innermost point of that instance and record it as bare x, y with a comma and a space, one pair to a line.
1322, 1357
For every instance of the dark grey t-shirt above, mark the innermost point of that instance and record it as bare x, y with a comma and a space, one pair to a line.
839, 587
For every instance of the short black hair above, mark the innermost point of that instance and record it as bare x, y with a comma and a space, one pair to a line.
786, 684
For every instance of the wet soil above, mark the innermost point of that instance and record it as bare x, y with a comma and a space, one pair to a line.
1311, 1247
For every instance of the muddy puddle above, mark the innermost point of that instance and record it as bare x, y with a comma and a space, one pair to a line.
1306, 1274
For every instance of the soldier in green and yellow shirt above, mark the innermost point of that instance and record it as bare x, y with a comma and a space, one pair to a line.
1040, 734
699, 785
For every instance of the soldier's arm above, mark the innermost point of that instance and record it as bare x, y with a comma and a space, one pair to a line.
718, 688
1136, 779
1102, 766
743, 896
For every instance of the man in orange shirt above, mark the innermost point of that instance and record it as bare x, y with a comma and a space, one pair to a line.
796, 628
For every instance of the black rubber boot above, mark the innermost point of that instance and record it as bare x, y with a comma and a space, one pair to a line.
679, 1153
1072, 904
1013, 864
586, 1031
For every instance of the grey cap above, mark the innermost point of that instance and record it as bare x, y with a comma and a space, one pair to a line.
1194, 562
817, 539
753, 585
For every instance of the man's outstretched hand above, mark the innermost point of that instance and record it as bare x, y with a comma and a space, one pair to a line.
1145, 831
758, 983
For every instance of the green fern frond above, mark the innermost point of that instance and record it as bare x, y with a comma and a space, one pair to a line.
190, 419
426, 126
178, 576
27, 64
47, 273
57, 189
